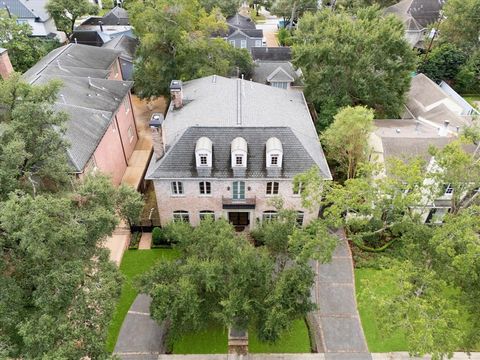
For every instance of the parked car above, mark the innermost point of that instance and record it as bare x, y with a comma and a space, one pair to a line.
282, 24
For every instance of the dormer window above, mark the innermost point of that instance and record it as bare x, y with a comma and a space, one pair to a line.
239, 153
203, 153
274, 153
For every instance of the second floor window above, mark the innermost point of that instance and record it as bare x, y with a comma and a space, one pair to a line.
297, 188
238, 190
243, 44
274, 160
269, 215
177, 188
205, 188
272, 188
448, 189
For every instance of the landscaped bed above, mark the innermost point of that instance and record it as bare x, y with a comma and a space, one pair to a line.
377, 341
134, 263
214, 341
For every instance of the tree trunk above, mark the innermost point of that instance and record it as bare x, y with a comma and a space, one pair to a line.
292, 17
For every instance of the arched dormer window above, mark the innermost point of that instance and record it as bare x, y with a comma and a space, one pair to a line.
274, 153
203, 153
239, 153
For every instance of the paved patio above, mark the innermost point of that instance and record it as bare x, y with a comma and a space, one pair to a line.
118, 243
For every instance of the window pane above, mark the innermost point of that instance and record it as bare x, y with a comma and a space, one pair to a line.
275, 187
180, 187
300, 218
238, 160
207, 187
269, 188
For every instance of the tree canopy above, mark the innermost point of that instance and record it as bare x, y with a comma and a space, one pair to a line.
66, 12
57, 286
222, 278
228, 7
293, 9
346, 140
353, 5
461, 24
23, 50
443, 63
180, 45
346, 61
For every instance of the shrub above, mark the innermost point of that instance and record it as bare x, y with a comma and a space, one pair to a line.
158, 237
134, 241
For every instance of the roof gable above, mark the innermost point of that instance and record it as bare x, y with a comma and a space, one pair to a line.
279, 75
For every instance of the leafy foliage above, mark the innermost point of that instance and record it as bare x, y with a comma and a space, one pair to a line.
66, 12
23, 50
292, 9
222, 278
32, 146
227, 7
181, 46
324, 46
356, 4
443, 63
346, 140
468, 77
460, 25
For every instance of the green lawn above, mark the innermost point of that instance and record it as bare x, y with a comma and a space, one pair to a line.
134, 263
214, 341
377, 341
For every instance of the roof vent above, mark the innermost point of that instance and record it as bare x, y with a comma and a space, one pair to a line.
397, 131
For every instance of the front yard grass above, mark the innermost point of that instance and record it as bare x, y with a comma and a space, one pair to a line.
214, 340
134, 263
377, 341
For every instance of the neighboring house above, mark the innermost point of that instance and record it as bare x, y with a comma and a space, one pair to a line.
113, 23
281, 53
127, 47
433, 118
428, 102
242, 33
33, 13
90, 37
280, 74
417, 16
228, 147
101, 127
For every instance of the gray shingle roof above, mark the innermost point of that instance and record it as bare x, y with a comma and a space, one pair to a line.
18, 9
38, 7
241, 22
179, 162
267, 71
126, 44
90, 37
423, 12
89, 98
272, 53
218, 102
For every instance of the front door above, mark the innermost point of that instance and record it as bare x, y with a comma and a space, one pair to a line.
239, 220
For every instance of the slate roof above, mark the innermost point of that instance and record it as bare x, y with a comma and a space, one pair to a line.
272, 53
116, 16
86, 95
90, 37
252, 33
125, 44
417, 14
179, 162
268, 71
232, 105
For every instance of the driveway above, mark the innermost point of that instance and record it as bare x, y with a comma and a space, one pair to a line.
269, 27
338, 330
141, 338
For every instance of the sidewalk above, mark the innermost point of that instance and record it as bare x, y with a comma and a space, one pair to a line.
118, 243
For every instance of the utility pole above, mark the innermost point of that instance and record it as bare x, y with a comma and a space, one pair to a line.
433, 37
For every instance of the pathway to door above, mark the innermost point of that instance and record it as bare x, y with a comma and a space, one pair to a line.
337, 327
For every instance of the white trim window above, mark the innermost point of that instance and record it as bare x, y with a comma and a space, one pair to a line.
272, 188
203, 159
205, 214
232, 42
177, 188
448, 189
205, 187
243, 44
269, 215
258, 43
181, 215
279, 84
238, 190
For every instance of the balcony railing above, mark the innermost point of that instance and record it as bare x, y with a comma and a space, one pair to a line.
230, 203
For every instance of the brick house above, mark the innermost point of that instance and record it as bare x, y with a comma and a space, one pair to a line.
101, 128
227, 147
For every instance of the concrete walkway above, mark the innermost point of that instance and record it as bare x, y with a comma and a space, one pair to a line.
338, 333
145, 241
118, 243
141, 338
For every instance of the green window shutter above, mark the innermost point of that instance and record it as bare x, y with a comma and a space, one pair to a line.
235, 190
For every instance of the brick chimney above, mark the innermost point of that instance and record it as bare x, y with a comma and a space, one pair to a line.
176, 93
157, 135
5, 65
